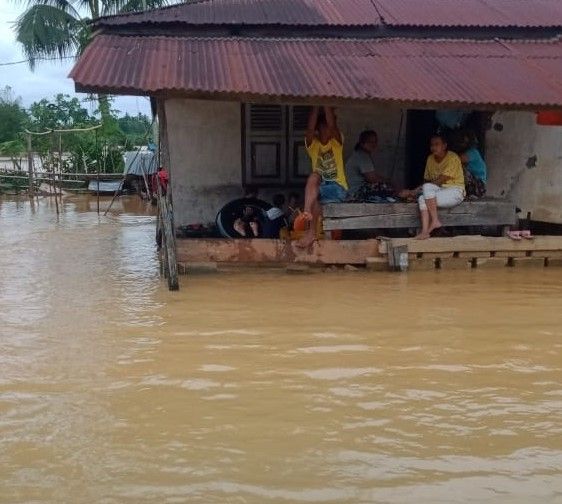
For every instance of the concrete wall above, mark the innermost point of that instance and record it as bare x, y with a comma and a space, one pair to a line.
205, 157
205, 152
385, 120
525, 164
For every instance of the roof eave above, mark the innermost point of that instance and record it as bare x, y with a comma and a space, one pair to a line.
308, 100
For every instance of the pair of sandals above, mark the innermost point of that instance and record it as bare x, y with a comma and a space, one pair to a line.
520, 235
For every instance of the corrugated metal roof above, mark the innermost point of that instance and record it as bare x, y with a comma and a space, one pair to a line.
495, 73
481, 13
256, 12
430, 13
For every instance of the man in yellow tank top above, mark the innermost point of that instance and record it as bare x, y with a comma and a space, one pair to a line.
327, 182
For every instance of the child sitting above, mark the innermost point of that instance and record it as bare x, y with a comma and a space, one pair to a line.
275, 218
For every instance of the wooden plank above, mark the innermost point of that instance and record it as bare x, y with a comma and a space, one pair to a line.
454, 263
395, 220
510, 253
340, 210
377, 264
479, 244
490, 262
436, 255
275, 251
387, 221
422, 265
402, 215
528, 262
551, 254
474, 254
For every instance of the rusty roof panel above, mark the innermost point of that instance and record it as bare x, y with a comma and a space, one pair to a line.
492, 73
256, 12
477, 13
429, 13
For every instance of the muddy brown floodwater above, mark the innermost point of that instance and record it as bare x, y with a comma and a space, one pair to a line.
437, 387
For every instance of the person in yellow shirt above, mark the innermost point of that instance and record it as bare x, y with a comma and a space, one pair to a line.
443, 187
327, 182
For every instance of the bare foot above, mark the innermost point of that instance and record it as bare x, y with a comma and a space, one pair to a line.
434, 226
239, 227
422, 236
254, 228
306, 241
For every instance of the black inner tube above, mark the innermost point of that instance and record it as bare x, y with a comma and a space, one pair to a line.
234, 210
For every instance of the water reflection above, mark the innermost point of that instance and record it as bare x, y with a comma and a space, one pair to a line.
443, 387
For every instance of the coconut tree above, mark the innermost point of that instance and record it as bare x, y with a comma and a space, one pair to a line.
58, 29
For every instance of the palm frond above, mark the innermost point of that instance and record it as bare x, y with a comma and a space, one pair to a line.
63, 5
110, 7
45, 31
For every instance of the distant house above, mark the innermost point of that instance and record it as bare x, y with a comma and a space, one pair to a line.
232, 81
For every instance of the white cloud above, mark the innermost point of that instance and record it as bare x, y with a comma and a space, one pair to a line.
49, 77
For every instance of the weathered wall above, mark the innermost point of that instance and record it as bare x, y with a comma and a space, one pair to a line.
385, 120
205, 157
525, 164
206, 143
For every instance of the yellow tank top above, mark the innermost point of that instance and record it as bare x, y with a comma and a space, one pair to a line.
450, 165
327, 160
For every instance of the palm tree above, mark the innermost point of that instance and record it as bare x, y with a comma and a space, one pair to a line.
58, 29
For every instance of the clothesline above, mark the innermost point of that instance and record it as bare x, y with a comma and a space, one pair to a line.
37, 133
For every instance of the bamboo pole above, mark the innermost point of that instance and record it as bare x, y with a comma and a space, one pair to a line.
60, 169
98, 183
54, 187
29, 166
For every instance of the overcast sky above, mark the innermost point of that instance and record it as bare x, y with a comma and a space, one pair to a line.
49, 77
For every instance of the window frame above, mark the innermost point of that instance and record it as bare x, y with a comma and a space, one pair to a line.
290, 140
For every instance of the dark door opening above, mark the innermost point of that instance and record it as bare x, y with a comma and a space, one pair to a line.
421, 125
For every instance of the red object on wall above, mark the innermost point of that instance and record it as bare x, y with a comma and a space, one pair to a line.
549, 117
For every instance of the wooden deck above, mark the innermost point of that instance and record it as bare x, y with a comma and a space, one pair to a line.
464, 252
445, 253
267, 251
483, 212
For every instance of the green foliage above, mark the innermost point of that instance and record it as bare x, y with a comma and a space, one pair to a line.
134, 128
13, 117
84, 151
58, 29
50, 29
61, 113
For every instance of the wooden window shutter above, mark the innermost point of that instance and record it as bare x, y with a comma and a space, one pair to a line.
299, 162
265, 144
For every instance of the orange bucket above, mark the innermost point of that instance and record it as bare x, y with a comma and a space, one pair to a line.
549, 118
300, 223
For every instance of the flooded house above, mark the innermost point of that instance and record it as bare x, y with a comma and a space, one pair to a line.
232, 83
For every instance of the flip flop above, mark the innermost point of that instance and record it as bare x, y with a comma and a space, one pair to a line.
514, 235
527, 235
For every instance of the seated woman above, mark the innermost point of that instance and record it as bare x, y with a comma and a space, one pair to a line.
327, 182
476, 174
364, 180
443, 187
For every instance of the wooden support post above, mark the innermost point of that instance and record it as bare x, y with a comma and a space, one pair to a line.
30, 166
60, 168
397, 257
168, 250
54, 187
98, 183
